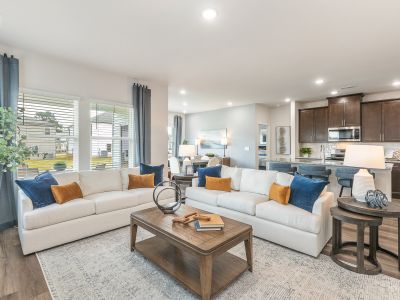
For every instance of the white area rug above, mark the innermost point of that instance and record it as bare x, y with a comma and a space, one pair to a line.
103, 267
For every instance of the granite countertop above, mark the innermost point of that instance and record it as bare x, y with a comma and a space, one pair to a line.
319, 161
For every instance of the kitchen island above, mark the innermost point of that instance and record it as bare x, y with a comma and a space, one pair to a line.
383, 177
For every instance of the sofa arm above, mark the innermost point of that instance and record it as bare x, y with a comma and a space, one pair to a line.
195, 182
323, 204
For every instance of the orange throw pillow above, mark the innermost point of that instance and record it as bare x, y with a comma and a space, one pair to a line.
65, 193
141, 181
279, 193
219, 184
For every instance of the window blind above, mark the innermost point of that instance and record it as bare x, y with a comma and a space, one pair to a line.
111, 136
50, 125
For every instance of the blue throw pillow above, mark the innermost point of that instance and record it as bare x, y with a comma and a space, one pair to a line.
305, 191
39, 189
157, 170
209, 171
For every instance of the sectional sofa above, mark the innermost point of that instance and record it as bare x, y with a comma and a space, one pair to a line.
106, 205
248, 202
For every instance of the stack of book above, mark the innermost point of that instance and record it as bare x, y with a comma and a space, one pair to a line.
214, 223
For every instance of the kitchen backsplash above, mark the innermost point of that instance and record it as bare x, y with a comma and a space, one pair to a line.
330, 147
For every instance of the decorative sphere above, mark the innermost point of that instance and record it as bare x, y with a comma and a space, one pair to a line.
172, 207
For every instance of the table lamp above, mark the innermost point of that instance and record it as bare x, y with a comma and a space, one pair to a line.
187, 151
224, 142
364, 157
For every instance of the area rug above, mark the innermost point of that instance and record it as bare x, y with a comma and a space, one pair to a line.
103, 267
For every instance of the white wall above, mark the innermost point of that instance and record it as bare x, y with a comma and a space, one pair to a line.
279, 116
240, 123
50, 74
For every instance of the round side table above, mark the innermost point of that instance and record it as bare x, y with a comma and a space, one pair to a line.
361, 221
390, 211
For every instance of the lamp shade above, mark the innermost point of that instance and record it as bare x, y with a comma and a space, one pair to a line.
197, 141
187, 150
364, 156
224, 141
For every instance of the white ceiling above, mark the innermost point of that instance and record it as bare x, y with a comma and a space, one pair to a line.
255, 51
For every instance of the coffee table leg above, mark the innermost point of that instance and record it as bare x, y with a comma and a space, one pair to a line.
398, 241
360, 248
206, 276
249, 251
133, 235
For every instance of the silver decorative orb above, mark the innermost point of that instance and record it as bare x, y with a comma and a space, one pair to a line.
172, 207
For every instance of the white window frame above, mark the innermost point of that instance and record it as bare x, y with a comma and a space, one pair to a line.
130, 138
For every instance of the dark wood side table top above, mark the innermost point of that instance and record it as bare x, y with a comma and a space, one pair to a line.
183, 177
351, 204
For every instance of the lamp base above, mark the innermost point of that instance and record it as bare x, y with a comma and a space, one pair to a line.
363, 182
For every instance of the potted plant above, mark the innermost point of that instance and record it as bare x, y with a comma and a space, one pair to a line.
210, 155
13, 150
305, 152
60, 166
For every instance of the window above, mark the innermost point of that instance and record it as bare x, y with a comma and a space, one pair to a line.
111, 136
50, 125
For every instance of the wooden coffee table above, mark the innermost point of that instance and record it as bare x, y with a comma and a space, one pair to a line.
188, 255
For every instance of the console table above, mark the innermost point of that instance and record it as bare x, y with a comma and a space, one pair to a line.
391, 211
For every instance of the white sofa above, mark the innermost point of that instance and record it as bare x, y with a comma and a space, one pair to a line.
106, 205
248, 202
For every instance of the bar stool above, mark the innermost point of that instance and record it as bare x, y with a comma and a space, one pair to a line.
340, 215
283, 167
312, 171
345, 177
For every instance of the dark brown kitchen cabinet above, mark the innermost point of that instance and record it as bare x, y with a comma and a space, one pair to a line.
391, 121
306, 126
321, 124
396, 181
313, 125
345, 111
371, 122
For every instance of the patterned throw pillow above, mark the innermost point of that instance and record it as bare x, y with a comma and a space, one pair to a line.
39, 189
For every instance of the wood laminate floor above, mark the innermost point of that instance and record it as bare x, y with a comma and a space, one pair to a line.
21, 276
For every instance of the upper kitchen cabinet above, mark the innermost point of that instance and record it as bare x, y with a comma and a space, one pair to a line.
381, 121
313, 125
371, 120
344, 111
391, 121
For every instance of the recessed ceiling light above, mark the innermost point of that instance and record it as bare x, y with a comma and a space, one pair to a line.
209, 14
182, 92
184, 103
334, 92
396, 83
287, 100
229, 103
319, 81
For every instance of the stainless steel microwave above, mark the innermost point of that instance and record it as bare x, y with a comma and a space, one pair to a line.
344, 134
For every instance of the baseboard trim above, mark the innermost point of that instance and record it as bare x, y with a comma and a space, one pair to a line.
7, 225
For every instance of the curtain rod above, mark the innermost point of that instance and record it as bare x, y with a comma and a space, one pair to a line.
140, 85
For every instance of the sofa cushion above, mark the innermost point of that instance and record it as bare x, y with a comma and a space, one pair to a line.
141, 181
289, 215
257, 181
244, 202
39, 189
93, 182
202, 195
111, 201
284, 179
235, 174
125, 178
57, 213
66, 177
